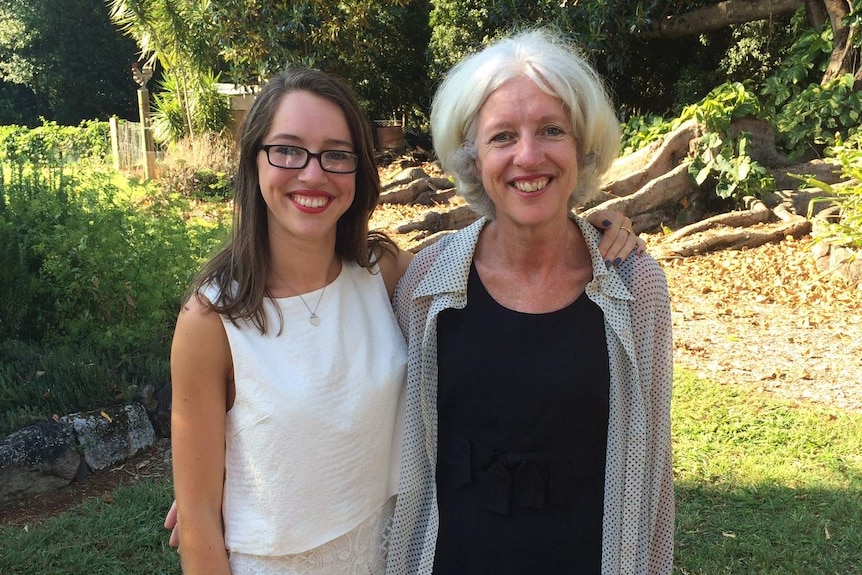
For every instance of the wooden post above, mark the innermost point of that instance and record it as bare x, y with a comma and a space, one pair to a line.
149, 149
142, 76
115, 142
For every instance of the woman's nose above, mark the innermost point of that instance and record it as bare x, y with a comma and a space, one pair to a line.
528, 151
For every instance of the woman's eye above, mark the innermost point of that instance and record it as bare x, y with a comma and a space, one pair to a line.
554, 131
502, 137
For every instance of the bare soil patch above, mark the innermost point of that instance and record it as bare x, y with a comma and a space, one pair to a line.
768, 319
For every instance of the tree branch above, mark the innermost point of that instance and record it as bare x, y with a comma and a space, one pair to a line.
721, 15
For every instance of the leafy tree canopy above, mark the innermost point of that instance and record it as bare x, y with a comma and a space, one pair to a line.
68, 56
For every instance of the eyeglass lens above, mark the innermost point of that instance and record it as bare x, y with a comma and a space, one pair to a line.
296, 157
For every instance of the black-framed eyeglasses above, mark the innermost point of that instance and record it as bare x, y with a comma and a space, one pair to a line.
296, 158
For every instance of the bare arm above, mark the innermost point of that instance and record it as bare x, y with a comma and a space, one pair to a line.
393, 266
200, 377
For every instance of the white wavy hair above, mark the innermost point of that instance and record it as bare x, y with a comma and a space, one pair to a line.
558, 68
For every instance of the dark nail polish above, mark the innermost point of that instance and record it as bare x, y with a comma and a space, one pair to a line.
606, 223
608, 264
618, 261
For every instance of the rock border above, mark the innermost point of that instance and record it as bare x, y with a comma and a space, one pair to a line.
48, 455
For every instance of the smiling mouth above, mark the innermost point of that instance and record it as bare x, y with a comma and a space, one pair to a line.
310, 201
533, 186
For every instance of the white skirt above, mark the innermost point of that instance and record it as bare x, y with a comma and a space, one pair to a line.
360, 551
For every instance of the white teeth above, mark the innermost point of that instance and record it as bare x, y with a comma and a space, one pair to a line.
310, 201
534, 186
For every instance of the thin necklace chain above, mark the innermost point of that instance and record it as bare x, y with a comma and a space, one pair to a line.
313, 319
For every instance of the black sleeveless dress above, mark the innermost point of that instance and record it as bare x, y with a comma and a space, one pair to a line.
522, 437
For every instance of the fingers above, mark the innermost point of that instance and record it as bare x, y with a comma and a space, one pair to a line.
618, 248
171, 521
171, 517
618, 240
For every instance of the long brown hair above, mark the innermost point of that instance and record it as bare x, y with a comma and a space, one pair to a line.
240, 269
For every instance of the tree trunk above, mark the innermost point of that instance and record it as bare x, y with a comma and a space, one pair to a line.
815, 11
721, 15
666, 189
844, 54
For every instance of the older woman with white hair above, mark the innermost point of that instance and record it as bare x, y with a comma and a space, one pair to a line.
537, 427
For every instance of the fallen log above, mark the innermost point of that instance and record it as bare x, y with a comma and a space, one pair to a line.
409, 193
630, 173
756, 214
736, 239
406, 176
436, 220
668, 188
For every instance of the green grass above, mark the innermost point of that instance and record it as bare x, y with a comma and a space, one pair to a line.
122, 537
763, 488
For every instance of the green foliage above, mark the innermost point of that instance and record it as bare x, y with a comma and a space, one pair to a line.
111, 263
457, 28
735, 175
388, 66
647, 75
818, 115
721, 161
378, 47
802, 66
178, 35
68, 55
846, 230
724, 104
208, 110
809, 115
54, 144
757, 50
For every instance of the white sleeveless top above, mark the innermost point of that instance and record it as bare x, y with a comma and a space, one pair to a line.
313, 440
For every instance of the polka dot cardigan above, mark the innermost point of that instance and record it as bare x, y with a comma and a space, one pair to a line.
637, 536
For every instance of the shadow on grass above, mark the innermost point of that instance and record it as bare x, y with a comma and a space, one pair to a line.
767, 530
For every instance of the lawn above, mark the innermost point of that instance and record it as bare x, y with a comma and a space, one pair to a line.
763, 487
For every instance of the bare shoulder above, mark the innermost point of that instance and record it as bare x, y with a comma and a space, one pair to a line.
393, 265
196, 314
200, 338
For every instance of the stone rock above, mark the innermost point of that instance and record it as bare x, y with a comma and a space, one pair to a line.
38, 459
841, 261
113, 434
161, 417
146, 394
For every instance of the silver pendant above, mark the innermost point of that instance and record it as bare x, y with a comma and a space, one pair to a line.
314, 319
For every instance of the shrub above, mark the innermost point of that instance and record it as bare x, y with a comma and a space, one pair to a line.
90, 262
201, 167
52, 144
847, 229
39, 381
